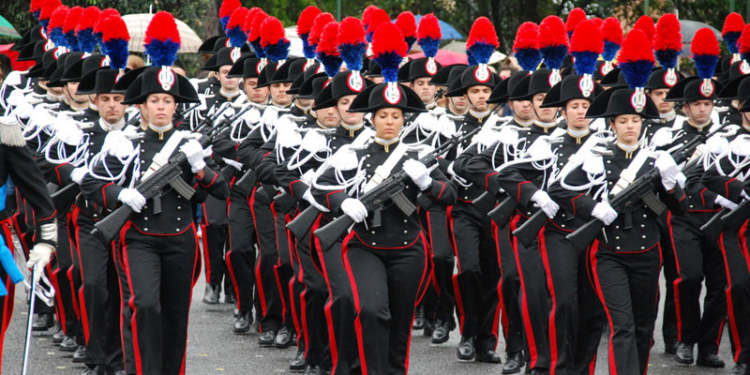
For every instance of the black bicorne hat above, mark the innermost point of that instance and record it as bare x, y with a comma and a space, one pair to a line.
288, 71
387, 95
501, 92
162, 80
423, 67
738, 68
404, 71
443, 76
313, 86
248, 66
127, 80
343, 84
613, 78
35, 35
572, 87
48, 60
663, 79
264, 80
736, 89
80, 68
601, 70
225, 56
694, 88
214, 44
64, 62
373, 69
477, 75
622, 101
310, 71
35, 51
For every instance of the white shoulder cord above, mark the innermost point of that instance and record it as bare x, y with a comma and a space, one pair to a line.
100, 158
76, 158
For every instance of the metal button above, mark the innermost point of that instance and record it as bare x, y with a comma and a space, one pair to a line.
177, 229
406, 243
145, 229
406, 221
145, 218
179, 219
373, 244
643, 247
406, 231
618, 248
373, 232
617, 238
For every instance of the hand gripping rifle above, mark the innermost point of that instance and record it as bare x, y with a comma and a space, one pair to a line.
392, 188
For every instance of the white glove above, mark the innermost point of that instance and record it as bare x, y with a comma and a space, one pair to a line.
726, 203
354, 209
78, 174
39, 257
194, 152
604, 212
418, 173
132, 198
542, 199
745, 196
668, 170
309, 198
681, 180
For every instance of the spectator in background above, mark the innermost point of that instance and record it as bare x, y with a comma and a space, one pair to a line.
5, 67
505, 71
135, 62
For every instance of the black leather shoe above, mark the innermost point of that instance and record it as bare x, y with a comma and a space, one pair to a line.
441, 333
229, 299
242, 323
58, 336
489, 356
419, 320
684, 354
211, 296
43, 322
740, 369
97, 370
68, 344
266, 339
670, 347
298, 364
313, 370
80, 354
466, 350
513, 363
429, 327
539, 371
709, 360
284, 338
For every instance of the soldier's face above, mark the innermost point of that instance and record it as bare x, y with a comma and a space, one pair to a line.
377, 80
388, 123
305, 103
543, 114
160, 109
279, 95
255, 94
348, 118
575, 114
522, 109
458, 104
699, 111
228, 84
424, 89
328, 117
658, 97
109, 106
56, 91
477, 96
627, 128
70, 89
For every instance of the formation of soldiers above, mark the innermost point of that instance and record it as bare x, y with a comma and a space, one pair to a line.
343, 199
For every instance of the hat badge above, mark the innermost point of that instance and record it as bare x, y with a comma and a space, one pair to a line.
744, 67
670, 77
482, 73
308, 63
105, 62
392, 94
707, 88
430, 66
60, 51
355, 82
586, 85
554, 77
166, 78
235, 54
638, 100
261, 64
49, 45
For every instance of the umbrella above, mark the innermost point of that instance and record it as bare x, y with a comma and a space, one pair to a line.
295, 47
688, 29
445, 58
6, 29
137, 24
460, 47
449, 32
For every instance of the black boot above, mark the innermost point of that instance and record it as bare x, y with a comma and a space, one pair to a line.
211, 296
298, 364
313, 370
80, 354
488, 356
58, 336
684, 354
466, 351
68, 344
442, 332
709, 360
229, 298
96, 370
43, 322
242, 323
284, 339
419, 320
266, 339
740, 369
513, 363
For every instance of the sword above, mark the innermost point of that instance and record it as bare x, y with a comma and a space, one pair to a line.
29, 323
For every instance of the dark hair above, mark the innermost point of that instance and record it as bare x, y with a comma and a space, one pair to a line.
5, 66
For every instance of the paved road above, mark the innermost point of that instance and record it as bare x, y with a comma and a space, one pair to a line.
214, 349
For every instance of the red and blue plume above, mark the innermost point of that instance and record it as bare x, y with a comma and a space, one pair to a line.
575, 17
255, 32
597, 21
304, 26
408, 25
743, 43
36, 8
366, 17
668, 43
225, 11
101, 23
646, 24
526, 46
553, 41
388, 50
612, 34
162, 39
248, 25
586, 46
273, 39
378, 17
319, 24
55, 26
115, 38
636, 59
234, 31
352, 43
482, 40
87, 41
732, 30
45, 14
327, 49
69, 27
429, 35
706, 52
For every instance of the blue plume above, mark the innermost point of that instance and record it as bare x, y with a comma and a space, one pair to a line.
470, 58
705, 65
637, 72
667, 58
57, 37
389, 63
352, 55
259, 51
162, 53
331, 63
481, 52
554, 56
36, 14
236, 36
610, 50
410, 40
368, 36
71, 41
585, 62
224, 20
117, 50
278, 51
430, 46
731, 39
87, 40
528, 58
307, 49
44, 23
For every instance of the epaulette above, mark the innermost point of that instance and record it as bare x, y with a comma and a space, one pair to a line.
345, 159
11, 133
740, 146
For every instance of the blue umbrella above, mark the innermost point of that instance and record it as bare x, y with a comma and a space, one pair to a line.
449, 32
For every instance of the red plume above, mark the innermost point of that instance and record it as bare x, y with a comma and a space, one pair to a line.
733, 23
71, 21
575, 17
89, 18
238, 17
744, 41
255, 29
116, 29
668, 34
597, 22
36, 6
101, 22
612, 30
319, 24
367, 14
329, 40
248, 25
48, 8
635, 47
482, 31
587, 38
272, 31
646, 24
429, 27
58, 17
408, 24
351, 31
704, 43
552, 32
377, 18
527, 36
162, 27
306, 19
228, 7
388, 38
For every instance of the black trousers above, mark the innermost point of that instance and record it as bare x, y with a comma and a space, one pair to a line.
669, 316
215, 233
100, 296
269, 293
476, 283
628, 286
385, 285
160, 273
439, 301
62, 279
240, 258
126, 329
284, 270
734, 247
693, 258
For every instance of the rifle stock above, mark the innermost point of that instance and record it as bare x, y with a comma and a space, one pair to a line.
714, 226
284, 202
737, 217
502, 213
65, 197
333, 231
301, 224
528, 231
108, 228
